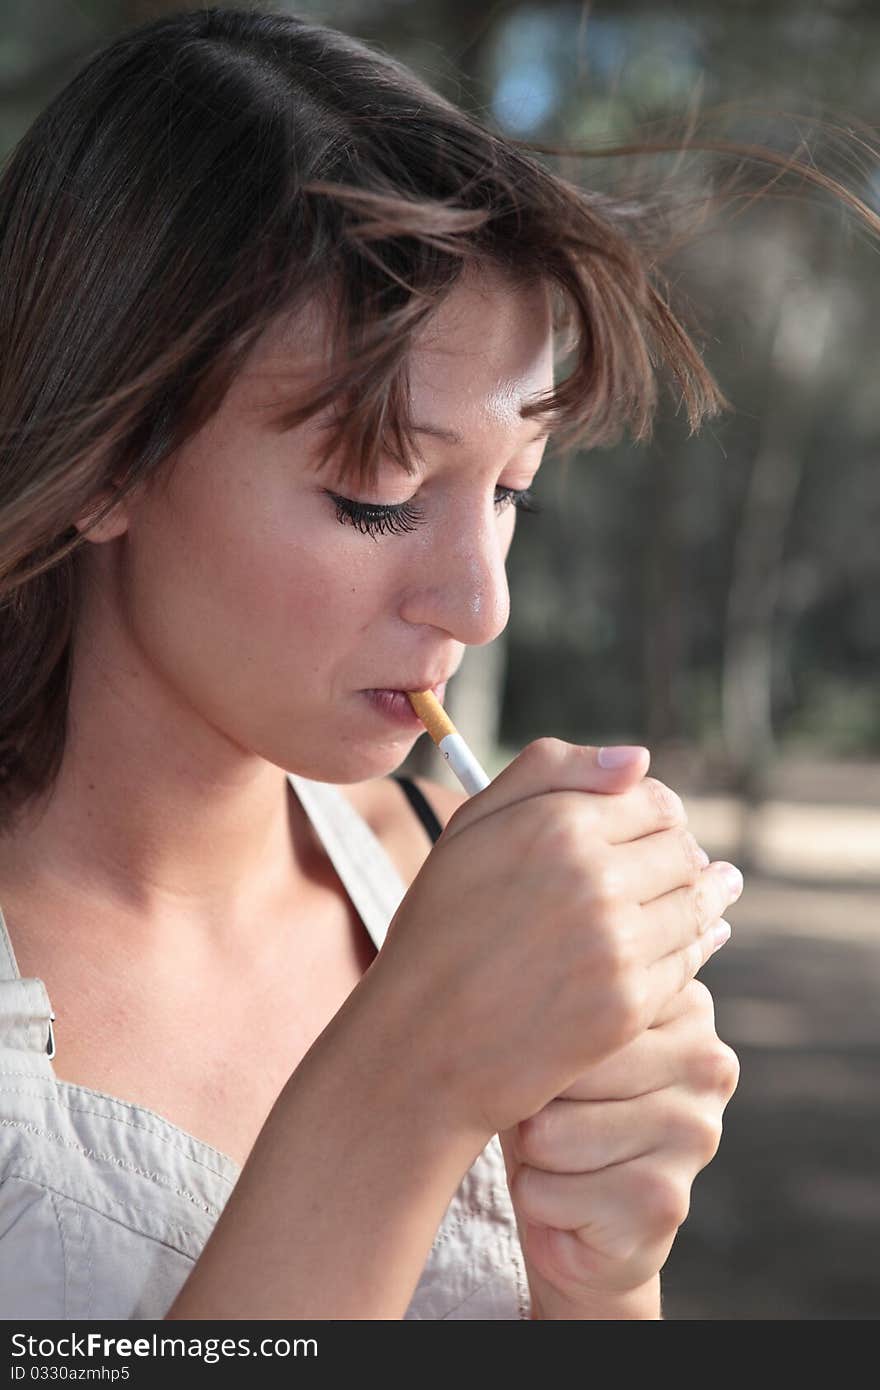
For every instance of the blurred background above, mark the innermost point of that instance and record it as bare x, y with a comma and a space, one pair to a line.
715, 598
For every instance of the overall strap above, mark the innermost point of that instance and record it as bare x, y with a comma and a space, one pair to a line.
26, 1014
367, 872
8, 964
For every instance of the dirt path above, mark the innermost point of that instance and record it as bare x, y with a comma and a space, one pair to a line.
785, 1222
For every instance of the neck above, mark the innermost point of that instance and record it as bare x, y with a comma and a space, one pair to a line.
158, 825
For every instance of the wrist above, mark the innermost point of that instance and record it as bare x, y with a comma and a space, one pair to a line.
426, 1074
642, 1303
380, 1026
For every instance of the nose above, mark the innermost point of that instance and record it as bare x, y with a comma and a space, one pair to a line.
461, 586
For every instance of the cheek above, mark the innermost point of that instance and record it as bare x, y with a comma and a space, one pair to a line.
229, 589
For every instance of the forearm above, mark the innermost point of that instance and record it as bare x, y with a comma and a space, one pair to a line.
336, 1208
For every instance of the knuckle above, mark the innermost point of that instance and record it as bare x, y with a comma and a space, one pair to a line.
700, 1002
622, 957
704, 1137
605, 885
534, 1137
666, 1202
524, 1192
559, 836
614, 953
628, 1011
716, 1070
667, 803
730, 1079
713, 1132
544, 752
701, 908
693, 855
587, 814
691, 959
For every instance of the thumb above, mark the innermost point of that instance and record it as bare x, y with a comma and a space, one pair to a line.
623, 764
547, 765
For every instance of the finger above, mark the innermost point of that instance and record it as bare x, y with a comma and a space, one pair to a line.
645, 869
677, 918
668, 976
578, 1137
630, 819
694, 1002
641, 810
654, 1058
630, 815
634, 1213
637, 811
595, 1203
545, 766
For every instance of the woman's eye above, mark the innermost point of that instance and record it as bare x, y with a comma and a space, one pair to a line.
374, 520
523, 499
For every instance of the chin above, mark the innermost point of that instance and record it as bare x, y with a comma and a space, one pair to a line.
354, 762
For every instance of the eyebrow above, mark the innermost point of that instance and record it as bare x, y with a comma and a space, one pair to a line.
453, 437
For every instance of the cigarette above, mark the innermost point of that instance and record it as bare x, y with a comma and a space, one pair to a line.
450, 742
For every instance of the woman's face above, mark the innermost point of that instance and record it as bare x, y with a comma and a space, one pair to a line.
265, 616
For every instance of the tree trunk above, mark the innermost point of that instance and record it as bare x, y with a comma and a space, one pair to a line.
663, 623
803, 322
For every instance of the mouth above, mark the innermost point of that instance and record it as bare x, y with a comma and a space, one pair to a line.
394, 705
417, 686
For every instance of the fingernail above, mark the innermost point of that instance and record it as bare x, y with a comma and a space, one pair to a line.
734, 879
622, 755
719, 936
704, 858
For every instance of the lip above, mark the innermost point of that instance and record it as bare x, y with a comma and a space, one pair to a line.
438, 688
394, 706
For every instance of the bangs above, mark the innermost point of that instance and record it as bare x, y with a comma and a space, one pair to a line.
399, 258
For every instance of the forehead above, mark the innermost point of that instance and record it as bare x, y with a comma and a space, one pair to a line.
485, 351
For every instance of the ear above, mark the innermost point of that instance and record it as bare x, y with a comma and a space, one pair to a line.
113, 524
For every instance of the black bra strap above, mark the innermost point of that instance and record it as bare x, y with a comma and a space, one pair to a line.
421, 807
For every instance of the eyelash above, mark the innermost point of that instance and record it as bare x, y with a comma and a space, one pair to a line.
373, 520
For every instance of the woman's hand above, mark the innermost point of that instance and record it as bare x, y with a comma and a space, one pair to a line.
601, 1177
561, 910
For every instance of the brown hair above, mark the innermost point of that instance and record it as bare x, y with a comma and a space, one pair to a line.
198, 177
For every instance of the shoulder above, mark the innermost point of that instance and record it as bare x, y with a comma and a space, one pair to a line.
395, 824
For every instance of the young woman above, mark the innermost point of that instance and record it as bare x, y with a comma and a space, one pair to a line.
279, 328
